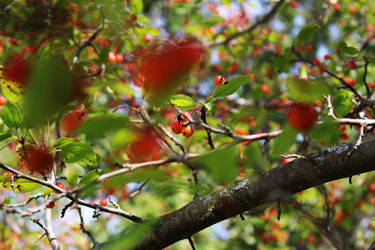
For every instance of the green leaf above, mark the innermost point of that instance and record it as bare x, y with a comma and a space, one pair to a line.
99, 126
7, 137
347, 49
182, 101
283, 142
326, 131
306, 90
12, 116
136, 6
137, 176
254, 157
11, 91
232, 86
73, 151
306, 33
132, 235
341, 102
49, 89
89, 177
282, 63
221, 163
20, 185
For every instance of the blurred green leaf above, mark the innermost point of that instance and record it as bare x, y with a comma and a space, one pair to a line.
129, 238
137, 176
98, 126
7, 137
12, 116
306, 33
326, 131
306, 90
136, 6
49, 89
253, 153
221, 163
347, 49
283, 143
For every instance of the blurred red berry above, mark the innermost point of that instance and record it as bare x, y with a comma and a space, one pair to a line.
302, 116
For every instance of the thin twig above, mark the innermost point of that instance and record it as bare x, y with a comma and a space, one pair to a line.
264, 19
84, 230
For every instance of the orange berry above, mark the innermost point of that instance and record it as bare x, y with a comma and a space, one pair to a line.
187, 131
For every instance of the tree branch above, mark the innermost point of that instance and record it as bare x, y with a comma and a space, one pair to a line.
264, 19
273, 185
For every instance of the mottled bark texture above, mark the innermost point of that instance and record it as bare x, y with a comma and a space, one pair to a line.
275, 184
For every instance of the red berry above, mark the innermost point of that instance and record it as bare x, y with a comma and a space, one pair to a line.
187, 131
133, 17
372, 187
301, 116
3, 100
371, 85
111, 56
342, 128
60, 185
51, 205
293, 4
352, 10
146, 38
351, 64
265, 89
336, 7
31, 49
349, 81
176, 127
344, 136
219, 80
316, 61
78, 112
309, 47
70, 122
145, 147
119, 58
17, 69
103, 202
105, 42
163, 68
327, 56
13, 41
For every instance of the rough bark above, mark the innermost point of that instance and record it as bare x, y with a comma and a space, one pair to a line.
273, 185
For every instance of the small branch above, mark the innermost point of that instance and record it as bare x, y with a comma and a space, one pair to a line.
359, 122
365, 76
191, 243
84, 230
264, 19
85, 44
51, 237
204, 120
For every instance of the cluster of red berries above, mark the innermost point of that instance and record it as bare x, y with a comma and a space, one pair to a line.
181, 125
113, 57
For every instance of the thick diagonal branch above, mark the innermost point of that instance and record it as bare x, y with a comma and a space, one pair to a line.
271, 186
